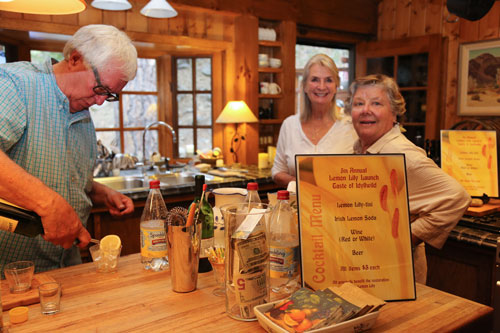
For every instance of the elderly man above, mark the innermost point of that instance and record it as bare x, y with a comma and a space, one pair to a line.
48, 142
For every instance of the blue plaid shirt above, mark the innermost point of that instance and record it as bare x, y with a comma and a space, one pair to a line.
38, 132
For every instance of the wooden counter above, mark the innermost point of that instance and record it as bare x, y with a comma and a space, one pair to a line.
134, 300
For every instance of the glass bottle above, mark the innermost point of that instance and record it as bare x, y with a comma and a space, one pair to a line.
20, 221
252, 196
206, 215
283, 249
152, 228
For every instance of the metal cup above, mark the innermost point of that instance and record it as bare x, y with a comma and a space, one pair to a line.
183, 255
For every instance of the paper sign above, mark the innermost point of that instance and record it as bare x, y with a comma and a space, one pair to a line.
354, 223
471, 158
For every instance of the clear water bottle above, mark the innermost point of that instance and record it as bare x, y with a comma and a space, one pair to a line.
153, 233
252, 196
283, 249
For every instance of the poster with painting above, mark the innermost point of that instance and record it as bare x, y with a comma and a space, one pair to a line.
479, 79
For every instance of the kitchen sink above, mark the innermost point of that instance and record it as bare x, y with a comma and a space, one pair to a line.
137, 183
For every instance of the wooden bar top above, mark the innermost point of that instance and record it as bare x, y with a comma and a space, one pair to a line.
135, 300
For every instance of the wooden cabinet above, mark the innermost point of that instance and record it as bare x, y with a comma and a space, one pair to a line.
415, 64
275, 105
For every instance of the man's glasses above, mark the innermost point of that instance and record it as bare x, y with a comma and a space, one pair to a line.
102, 90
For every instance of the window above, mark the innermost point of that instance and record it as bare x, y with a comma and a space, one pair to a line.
343, 56
120, 125
39, 57
192, 99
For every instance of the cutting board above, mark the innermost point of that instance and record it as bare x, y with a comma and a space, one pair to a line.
10, 300
485, 209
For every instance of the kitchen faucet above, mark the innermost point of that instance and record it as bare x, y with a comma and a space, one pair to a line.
162, 123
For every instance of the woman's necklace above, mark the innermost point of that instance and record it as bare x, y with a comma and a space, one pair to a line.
315, 130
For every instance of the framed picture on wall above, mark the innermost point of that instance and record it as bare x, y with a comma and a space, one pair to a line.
479, 79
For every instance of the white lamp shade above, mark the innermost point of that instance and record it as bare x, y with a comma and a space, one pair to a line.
111, 4
236, 112
158, 9
44, 7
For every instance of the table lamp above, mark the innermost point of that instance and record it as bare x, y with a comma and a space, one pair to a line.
236, 112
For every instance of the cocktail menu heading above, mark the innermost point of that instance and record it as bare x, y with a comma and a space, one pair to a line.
354, 223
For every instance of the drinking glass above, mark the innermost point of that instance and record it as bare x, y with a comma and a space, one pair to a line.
219, 271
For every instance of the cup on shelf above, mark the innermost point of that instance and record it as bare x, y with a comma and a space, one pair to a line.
263, 60
267, 34
264, 87
274, 88
275, 62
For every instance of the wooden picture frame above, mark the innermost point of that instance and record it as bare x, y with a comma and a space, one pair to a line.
478, 81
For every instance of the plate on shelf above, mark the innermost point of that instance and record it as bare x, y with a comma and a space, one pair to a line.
355, 325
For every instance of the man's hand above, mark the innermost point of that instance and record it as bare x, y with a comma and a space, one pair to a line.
117, 203
62, 225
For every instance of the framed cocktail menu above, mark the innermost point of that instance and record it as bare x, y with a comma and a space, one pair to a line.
354, 223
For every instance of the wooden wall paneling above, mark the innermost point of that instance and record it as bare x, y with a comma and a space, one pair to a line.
196, 25
469, 30
451, 31
489, 25
135, 20
417, 18
176, 25
65, 19
39, 18
214, 27
246, 81
164, 72
90, 15
435, 70
217, 98
289, 33
386, 19
434, 16
115, 18
402, 19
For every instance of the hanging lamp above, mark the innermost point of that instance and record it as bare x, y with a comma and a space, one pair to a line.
158, 9
111, 4
45, 7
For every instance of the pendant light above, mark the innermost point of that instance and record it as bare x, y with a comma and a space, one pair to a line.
46, 7
111, 4
158, 9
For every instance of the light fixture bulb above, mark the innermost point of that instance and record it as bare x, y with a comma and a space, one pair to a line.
111, 4
158, 9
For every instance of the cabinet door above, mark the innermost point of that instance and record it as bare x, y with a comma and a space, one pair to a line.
415, 65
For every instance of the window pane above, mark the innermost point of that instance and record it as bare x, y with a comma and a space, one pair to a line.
184, 74
204, 139
110, 140
204, 109
133, 143
185, 109
139, 110
39, 57
186, 144
3, 59
145, 80
105, 115
203, 74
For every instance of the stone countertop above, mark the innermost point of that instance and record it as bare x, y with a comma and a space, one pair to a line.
474, 236
249, 174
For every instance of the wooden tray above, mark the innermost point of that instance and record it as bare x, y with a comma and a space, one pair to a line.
10, 300
483, 210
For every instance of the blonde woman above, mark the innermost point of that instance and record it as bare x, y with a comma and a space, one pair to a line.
318, 128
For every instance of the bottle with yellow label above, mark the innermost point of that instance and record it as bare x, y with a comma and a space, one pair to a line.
19, 220
153, 235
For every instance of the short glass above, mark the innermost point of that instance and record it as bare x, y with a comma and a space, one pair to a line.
50, 297
19, 275
105, 262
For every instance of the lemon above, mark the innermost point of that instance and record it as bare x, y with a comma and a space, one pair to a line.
110, 243
289, 321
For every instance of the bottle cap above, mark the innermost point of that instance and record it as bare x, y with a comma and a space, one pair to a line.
154, 184
283, 195
252, 186
18, 314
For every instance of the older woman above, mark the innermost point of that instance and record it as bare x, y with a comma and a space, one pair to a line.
317, 129
437, 201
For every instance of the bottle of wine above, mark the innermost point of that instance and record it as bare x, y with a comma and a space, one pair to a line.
19, 220
206, 215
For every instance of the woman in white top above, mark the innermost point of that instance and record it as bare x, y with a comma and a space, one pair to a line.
318, 128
